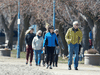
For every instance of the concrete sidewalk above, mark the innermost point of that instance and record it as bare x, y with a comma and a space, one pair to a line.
13, 66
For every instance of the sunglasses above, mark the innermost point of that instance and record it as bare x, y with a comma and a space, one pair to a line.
77, 24
39, 33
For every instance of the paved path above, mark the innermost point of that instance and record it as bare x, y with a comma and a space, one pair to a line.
13, 66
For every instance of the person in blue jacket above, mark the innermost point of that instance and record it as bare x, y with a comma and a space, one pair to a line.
50, 41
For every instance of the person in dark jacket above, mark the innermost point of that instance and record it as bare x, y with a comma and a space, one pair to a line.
28, 38
57, 50
50, 40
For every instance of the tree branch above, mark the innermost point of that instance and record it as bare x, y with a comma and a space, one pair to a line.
3, 22
13, 21
70, 25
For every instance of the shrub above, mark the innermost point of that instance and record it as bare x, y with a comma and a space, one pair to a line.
92, 51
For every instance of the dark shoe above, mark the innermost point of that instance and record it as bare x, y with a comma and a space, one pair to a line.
50, 67
39, 65
69, 68
43, 65
26, 62
53, 64
76, 68
36, 65
56, 66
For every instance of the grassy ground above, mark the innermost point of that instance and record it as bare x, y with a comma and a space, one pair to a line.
14, 53
23, 56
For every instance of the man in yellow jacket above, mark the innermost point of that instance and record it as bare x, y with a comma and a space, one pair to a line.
73, 37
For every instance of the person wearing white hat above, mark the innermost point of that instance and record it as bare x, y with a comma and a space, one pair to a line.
73, 37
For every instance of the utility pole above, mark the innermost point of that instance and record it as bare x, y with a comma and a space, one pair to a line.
54, 13
18, 47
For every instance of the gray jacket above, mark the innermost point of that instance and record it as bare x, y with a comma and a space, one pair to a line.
61, 46
37, 43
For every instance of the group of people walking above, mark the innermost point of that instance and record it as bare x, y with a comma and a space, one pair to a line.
51, 44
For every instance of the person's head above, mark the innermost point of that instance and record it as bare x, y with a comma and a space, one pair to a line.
56, 31
39, 33
31, 30
51, 29
75, 24
47, 26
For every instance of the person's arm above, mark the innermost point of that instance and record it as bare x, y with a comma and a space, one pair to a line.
44, 42
33, 43
80, 35
68, 40
56, 40
44, 34
26, 40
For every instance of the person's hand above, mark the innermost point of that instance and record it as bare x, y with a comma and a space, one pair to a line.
63, 49
26, 46
43, 48
57, 46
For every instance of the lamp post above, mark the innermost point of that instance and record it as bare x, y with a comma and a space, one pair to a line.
54, 13
18, 47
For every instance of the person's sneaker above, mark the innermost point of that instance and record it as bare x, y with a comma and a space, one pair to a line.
36, 65
69, 68
47, 66
53, 65
43, 65
56, 66
50, 67
30, 64
26, 62
76, 68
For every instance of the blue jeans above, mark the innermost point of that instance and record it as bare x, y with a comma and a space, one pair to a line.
74, 48
37, 54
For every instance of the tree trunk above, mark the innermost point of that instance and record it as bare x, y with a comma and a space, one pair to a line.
10, 43
85, 40
90, 23
96, 35
9, 30
61, 33
26, 26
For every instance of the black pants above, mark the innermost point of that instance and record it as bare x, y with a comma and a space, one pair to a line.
55, 61
45, 56
50, 52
